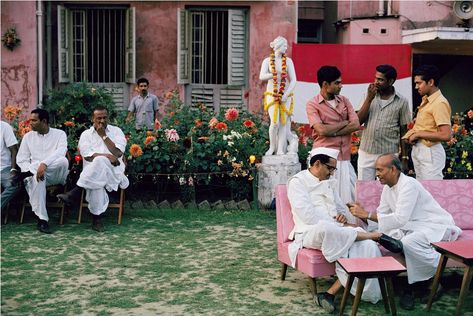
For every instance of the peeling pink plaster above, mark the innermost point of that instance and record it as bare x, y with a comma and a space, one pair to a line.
19, 67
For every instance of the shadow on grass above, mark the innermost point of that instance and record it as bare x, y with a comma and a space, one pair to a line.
167, 262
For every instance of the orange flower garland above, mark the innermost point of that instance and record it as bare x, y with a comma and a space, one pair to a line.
278, 92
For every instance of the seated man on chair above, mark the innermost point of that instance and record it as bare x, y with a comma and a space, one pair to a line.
43, 162
320, 220
102, 147
407, 211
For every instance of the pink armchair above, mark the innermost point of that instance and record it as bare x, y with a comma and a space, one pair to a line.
309, 261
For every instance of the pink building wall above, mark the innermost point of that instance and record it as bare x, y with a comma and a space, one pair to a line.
156, 41
19, 67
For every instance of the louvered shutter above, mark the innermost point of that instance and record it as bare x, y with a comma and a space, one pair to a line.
237, 47
64, 53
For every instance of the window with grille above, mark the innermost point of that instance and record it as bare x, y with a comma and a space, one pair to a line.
96, 44
212, 55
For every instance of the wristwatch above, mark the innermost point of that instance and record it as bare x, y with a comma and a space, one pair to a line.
104, 137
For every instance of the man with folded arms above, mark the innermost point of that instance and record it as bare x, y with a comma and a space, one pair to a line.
43, 162
409, 213
102, 147
320, 220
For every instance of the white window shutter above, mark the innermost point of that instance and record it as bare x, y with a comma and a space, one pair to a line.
64, 53
130, 53
237, 47
183, 63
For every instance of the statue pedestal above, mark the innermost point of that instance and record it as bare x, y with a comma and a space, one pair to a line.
273, 170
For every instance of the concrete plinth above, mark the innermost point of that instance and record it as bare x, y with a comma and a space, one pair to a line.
273, 170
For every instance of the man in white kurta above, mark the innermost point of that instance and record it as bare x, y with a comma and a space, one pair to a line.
407, 211
320, 223
8, 151
102, 147
42, 153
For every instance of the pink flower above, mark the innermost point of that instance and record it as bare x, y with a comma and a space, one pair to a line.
231, 114
171, 135
213, 122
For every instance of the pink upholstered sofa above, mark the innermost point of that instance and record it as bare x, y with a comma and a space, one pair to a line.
456, 196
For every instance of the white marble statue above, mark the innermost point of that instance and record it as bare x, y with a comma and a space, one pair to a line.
279, 71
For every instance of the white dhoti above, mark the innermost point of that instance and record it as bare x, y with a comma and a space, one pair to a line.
339, 242
346, 178
98, 177
56, 173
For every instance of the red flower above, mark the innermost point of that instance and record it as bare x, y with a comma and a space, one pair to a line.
231, 114
198, 123
69, 124
221, 126
248, 123
410, 125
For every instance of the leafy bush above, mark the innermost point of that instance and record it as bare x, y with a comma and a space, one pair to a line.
71, 107
459, 150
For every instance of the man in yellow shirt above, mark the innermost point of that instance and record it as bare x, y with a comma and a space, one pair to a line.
432, 125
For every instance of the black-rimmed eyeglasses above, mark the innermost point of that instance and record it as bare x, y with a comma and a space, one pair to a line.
330, 168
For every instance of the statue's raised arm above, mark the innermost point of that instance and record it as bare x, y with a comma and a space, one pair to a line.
278, 70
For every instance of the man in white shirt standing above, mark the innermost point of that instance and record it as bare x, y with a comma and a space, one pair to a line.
409, 213
8, 164
102, 147
43, 154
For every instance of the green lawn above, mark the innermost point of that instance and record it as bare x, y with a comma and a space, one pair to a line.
162, 262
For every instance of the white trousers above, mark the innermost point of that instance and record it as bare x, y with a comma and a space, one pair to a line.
428, 161
346, 179
56, 173
97, 178
421, 258
339, 242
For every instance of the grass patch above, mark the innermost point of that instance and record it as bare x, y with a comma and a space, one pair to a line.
162, 262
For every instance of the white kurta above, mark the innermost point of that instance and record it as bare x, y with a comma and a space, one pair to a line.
408, 212
49, 149
99, 175
314, 205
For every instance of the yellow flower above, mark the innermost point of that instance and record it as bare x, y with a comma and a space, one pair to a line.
449, 170
468, 166
464, 154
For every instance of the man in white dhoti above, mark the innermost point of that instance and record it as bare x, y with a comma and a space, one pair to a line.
320, 223
42, 158
408, 212
102, 147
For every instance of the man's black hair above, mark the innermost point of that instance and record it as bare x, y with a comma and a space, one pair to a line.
141, 80
42, 114
320, 157
427, 72
99, 107
328, 74
388, 71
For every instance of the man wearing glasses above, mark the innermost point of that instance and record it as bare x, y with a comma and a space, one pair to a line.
320, 222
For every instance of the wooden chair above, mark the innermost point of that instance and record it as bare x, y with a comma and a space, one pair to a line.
51, 190
118, 205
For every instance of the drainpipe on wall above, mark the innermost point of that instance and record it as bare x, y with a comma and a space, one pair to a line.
380, 11
389, 10
39, 28
49, 52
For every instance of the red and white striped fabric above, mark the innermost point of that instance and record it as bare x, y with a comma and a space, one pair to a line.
358, 66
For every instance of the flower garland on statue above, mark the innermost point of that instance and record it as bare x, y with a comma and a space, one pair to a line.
278, 92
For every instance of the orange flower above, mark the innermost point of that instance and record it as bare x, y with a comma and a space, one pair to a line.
455, 128
11, 112
213, 122
149, 133
69, 124
452, 141
221, 126
354, 149
198, 123
464, 132
136, 151
149, 139
231, 114
248, 123
169, 94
